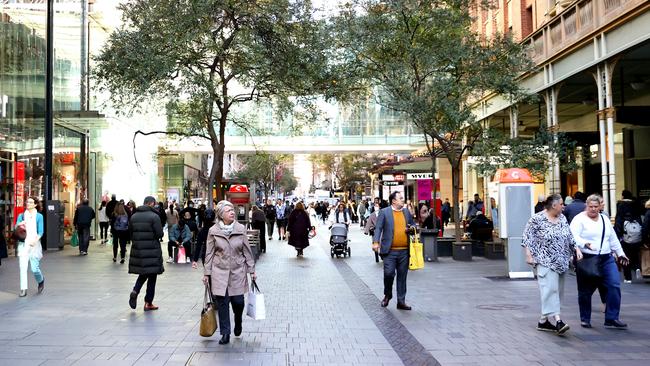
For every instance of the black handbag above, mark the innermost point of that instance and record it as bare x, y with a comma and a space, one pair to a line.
589, 266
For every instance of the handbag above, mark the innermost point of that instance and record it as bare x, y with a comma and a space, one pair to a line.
589, 267
181, 254
74, 240
416, 255
20, 233
255, 307
208, 324
312, 232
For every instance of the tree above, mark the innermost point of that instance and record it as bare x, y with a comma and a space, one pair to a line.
259, 169
429, 65
209, 57
287, 182
348, 169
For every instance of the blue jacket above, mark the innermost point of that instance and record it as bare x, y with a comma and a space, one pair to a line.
385, 227
175, 234
574, 208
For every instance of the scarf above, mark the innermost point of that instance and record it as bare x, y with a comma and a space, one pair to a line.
227, 229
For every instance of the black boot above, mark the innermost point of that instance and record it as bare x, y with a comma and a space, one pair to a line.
225, 339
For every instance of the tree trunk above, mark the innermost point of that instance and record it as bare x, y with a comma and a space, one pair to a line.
455, 189
434, 167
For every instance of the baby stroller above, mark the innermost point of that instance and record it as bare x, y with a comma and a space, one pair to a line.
339, 240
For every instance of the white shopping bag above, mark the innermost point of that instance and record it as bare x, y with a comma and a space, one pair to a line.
255, 307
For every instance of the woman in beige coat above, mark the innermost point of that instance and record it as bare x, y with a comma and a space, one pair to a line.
228, 258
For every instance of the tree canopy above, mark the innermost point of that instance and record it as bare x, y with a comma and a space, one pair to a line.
208, 57
430, 65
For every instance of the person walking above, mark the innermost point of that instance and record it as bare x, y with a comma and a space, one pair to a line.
179, 235
83, 217
103, 223
298, 227
629, 229
576, 206
391, 241
445, 211
549, 247
361, 211
146, 256
371, 223
281, 219
595, 236
30, 251
202, 237
269, 212
172, 217
341, 215
228, 259
120, 231
258, 221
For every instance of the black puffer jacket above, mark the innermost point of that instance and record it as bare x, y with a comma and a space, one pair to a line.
146, 254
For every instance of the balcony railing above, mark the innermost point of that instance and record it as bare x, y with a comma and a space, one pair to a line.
573, 23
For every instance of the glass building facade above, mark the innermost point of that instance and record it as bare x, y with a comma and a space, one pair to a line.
23, 50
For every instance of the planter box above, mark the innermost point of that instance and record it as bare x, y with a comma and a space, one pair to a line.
495, 250
462, 251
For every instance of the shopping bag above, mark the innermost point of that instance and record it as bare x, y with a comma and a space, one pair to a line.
181, 254
208, 324
416, 255
255, 307
645, 261
74, 241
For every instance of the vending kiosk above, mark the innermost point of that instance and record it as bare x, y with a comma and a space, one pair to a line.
516, 206
240, 197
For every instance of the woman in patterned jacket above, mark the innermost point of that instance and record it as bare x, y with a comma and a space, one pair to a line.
549, 247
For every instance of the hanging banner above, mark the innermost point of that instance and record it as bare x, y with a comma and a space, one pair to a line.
425, 187
19, 188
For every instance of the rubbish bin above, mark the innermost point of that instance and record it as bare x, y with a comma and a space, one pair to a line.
254, 242
462, 251
429, 238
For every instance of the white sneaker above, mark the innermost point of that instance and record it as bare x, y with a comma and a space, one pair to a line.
187, 260
638, 274
170, 260
627, 281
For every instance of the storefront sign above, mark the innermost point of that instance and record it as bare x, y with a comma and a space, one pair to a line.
416, 176
393, 177
391, 183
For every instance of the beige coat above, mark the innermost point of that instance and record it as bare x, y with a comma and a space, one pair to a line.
228, 260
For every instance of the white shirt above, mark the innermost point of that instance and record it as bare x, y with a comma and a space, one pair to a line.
585, 230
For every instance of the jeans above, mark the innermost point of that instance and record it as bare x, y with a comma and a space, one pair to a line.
103, 230
24, 261
84, 238
151, 286
120, 237
396, 261
224, 313
611, 280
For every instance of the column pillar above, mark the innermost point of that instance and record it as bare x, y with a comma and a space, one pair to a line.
610, 113
600, 83
550, 97
514, 122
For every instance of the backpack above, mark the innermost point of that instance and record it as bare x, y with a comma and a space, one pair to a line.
122, 223
632, 232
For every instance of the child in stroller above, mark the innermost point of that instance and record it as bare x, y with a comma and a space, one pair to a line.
339, 240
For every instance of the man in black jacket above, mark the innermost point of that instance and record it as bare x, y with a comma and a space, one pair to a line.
146, 255
83, 217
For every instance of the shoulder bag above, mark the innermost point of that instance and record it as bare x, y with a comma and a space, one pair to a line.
589, 266
208, 323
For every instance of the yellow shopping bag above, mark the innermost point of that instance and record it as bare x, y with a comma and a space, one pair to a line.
416, 259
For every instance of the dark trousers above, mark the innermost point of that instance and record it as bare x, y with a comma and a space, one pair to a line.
119, 237
259, 225
396, 261
103, 230
224, 312
151, 286
84, 238
610, 280
269, 228
632, 251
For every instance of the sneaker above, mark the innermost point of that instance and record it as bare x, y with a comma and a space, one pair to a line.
627, 281
615, 324
637, 274
187, 260
561, 327
133, 299
585, 324
546, 326
170, 260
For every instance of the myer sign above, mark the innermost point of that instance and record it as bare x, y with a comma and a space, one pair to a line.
416, 176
